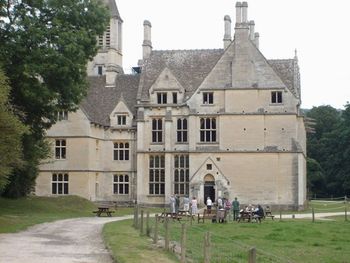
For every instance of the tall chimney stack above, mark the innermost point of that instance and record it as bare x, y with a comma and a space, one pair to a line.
238, 12
227, 36
147, 43
244, 12
251, 30
256, 39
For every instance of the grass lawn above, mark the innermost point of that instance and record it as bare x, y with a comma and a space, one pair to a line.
275, 241
127, 245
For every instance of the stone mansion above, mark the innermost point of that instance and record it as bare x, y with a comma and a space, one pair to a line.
210, 122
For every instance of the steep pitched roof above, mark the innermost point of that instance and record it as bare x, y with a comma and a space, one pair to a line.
112, 6
288, 71
101, 100
190, 67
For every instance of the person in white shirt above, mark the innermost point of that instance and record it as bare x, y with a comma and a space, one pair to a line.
209, 204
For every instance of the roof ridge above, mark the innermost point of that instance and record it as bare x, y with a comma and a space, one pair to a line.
171, 50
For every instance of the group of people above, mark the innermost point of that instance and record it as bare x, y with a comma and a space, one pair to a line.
221, 203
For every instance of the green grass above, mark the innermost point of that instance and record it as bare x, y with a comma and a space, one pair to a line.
275, 241
127, 245
18, 214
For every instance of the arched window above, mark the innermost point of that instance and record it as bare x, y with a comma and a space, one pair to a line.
181, 133
181, 174
121, 151
207, 129
121, 184
157, 130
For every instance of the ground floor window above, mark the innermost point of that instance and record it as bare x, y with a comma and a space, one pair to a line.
121, 184
156, 175
60, 183
181, 174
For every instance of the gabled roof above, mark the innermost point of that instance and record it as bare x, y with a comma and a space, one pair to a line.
190, 67
101, 100
112, 6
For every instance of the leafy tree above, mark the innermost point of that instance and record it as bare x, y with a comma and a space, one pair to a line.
44, 48
11, 131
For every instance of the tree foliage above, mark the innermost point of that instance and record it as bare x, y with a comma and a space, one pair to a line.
329, 150
11, 131
44, 49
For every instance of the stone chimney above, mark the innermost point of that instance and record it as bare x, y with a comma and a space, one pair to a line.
244, 12
147, 43
251, 30
256, 39
227, 36
238, 12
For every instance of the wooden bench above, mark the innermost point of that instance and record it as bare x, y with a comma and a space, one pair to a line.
173, 216
206, 215
269, 214
103, 210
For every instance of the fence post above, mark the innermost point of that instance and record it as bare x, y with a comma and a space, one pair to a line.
134, 222
252, 255
137, 217
166, 225
141, 223
191, 216
183, 243
280, 214
206, 247
148, 229
155, 238
313, 215
346, 209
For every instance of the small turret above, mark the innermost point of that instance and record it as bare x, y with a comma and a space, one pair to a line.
227, 36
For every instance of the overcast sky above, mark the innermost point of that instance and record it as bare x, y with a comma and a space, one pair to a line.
318, 29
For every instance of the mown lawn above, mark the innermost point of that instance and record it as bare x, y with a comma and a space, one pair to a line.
18, 214
275, 241
127, 246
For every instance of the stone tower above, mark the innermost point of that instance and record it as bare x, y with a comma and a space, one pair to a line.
108, 60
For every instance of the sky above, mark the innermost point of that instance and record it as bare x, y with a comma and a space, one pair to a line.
317, 29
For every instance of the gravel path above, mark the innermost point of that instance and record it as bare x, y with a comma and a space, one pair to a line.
76, 240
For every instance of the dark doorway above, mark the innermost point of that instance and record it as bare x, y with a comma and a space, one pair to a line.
209, 191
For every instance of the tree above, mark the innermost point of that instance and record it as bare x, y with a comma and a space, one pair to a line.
11, 131
44, 48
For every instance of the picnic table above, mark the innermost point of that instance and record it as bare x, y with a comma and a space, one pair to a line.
103, 210
169, 215
249, 216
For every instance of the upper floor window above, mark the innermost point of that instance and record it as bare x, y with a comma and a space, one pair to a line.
175, 97
121, 119
60, 184
60, 149
161, 98
276, 97
121, 151
208, 97
157, 130
121, 184
62, 115
108, 36
207, 130
156, 175
181, 133
100, 40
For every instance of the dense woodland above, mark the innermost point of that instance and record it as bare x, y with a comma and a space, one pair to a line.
44, 49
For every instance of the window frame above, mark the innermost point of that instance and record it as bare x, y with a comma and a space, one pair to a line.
181, 132
157, 130
208, 98
181, 174
121, 119
276, 97
162, 98
121, 151
156, 175
121, 187
175, 97
208, 130
60, 149
60, 184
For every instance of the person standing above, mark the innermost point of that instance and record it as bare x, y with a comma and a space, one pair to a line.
186, 203
235, 208
177, 203
194, 206
172, 204
219, 203
209, 204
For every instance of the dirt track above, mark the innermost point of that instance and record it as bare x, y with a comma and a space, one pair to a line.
66, 241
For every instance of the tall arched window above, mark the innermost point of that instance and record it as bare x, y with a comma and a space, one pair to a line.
157, 130
121, 151
181, 133
207, 129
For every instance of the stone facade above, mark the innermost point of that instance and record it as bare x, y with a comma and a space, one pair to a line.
223, 122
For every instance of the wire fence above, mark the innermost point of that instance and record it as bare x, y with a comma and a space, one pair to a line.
193, 242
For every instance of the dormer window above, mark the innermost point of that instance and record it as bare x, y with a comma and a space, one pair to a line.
62, 115
208, 97
174, 97
121, 120
276, 97
161, 98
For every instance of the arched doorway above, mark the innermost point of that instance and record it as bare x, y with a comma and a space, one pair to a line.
209, 187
